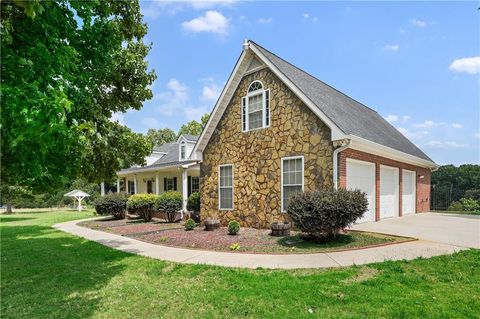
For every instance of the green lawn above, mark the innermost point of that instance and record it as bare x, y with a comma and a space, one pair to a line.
49, 274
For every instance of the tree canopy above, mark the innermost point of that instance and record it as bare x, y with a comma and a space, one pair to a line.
67, 66
161, 136
462, 178
193, 127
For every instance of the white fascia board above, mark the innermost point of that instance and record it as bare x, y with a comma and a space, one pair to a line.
150, 169
220, 106
337, 133
361, 144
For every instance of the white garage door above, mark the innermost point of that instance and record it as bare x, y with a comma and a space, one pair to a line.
361, 176
388, 191
408, 192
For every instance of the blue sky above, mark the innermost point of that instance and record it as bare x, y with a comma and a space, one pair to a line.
417, 64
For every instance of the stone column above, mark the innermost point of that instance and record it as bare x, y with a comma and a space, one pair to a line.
118, 185
102, 189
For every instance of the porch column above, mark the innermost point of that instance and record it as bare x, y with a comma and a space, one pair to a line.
157, 184
134, 184
102, 189
118, 185
185, 188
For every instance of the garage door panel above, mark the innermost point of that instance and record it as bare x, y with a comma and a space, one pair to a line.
408, 192
389, 191
361, 176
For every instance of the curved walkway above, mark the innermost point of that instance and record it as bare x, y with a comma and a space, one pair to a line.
408, 250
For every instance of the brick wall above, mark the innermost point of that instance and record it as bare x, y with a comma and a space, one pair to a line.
422, 187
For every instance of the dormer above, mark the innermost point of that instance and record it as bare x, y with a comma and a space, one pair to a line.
186, 143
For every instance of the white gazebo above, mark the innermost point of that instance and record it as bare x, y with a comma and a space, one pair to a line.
78, 195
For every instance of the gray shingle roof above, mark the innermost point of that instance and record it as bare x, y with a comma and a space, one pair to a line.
189, 137
349, 115
169, 159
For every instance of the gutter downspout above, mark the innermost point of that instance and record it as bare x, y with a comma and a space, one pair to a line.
335, 162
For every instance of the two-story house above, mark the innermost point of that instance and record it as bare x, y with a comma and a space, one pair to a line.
277, 130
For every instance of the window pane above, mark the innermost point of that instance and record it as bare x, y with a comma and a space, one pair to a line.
255, 103
298, 164
255, 120
226, 198
288, 191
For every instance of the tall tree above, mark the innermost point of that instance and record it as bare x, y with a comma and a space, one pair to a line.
161, 136
204, 119
67, 66
192, 128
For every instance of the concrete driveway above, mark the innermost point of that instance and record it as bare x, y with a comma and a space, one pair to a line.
458, 230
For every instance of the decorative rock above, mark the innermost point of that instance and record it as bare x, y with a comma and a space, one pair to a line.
257, 155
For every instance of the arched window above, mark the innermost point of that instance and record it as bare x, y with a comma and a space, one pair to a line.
256, 107
183, 150
256, 85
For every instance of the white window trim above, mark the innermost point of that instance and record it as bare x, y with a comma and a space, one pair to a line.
182, 143
264, 108
233, 191
281, 177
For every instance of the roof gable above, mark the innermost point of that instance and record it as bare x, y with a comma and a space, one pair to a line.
346, 117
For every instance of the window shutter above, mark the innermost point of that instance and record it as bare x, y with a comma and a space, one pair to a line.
189, 185
165, 184
267, 108
174, 183
244, 114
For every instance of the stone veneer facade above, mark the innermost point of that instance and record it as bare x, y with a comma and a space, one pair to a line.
256, 155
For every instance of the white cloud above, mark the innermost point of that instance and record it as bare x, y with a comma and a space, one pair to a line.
418, 23
212, 21
305, 15
391, 118
265, 20
175, 98
426, 124
413, 135
469, 65
406, 118
211, 92
118, 117
195, 113
391, 47
445, 145
150, 122
457, 125
155, 9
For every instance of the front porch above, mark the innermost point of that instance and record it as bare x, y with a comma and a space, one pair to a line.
184, 178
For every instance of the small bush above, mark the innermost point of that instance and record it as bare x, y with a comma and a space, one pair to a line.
455, 206
114, 204
321, 215
193, 203
142, 205
169, 203
233, 227
473, 194
234, 246
190, 224
470, 205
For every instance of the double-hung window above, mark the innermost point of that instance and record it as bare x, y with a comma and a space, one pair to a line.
292, 178
195, 186
183, 150
225, 185
256, 107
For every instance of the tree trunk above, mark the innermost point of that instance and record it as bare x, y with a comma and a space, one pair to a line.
9, 209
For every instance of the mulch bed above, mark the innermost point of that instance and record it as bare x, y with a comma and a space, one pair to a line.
248, 239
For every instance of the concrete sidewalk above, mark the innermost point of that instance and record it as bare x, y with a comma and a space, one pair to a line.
409, 250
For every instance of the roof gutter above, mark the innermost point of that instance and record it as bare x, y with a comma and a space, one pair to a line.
344, 145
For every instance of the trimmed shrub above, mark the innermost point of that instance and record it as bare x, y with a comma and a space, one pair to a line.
190, 224
233, 227
169, 203
142, 205
455, 206
470, 205
114, 204
473, 194
321, 215
193, 203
